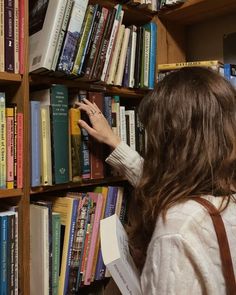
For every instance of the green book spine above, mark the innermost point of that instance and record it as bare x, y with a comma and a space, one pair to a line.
56, 232
87, 26
60, 134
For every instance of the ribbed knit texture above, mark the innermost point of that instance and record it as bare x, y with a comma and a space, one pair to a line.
183, 256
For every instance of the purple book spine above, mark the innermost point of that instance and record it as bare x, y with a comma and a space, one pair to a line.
9, 35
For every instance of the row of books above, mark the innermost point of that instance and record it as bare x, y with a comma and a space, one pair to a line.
65, 241
228, 71
12, 36
153, 5
9, 251
11, 145
60, 151
91, 41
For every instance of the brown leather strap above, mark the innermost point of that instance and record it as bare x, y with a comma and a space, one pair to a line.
227, 265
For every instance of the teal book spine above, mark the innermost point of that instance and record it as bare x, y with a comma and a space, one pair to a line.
60, 134
56, 233
3, 262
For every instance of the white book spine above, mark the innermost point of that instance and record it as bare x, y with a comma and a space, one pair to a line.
123, 134
111, 43
43, 43
132, 140
2, 61
121, 64
62, 33
146, 57
116, 55
132, 61
16, 36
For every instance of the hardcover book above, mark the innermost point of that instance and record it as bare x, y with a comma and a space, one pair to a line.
2, 140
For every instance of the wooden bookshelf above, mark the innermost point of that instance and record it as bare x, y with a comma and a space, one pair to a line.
194, 11
9, 78
176, 30
10, 193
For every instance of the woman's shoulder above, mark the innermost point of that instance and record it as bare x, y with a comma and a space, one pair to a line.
188, 217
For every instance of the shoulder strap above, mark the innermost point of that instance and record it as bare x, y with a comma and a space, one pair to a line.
227, 265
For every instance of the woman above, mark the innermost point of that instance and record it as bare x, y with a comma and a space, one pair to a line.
190, 120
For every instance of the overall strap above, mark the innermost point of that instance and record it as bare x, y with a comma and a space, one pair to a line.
227, 265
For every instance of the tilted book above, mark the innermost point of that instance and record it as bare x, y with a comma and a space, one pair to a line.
46, 19
116, 256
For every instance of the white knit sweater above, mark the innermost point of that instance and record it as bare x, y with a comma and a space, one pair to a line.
183, 255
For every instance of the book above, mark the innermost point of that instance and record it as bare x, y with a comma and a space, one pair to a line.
10, 147
175, 66
56, 236
2, 43
116, 256
19, 149
2, 140
9, 40
35, 143
16, 36
68, 53
39, 249
153, 49
46, 19
45, 150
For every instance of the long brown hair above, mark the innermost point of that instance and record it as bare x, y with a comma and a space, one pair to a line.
190, 120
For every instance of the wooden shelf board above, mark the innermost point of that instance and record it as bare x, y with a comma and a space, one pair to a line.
43, 80
7, 78
193, 11
74, 185
10, 193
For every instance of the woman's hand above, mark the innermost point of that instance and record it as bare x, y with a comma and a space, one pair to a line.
100, 129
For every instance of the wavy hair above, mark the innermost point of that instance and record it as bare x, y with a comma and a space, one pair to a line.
190, 120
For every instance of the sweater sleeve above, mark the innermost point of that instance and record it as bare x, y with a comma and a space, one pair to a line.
173, 267
127, 161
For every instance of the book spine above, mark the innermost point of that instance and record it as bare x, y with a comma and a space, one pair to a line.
10, 147
21, 35
96, 44
45, 154
56, 232
126, 74
112, 39
116, 55
11, 254
75, 135
102, 54
60, 135
35, 143
174, 66
4, 247
132, 57
85, 153
123, 134
90, 40
146, 63
138, 58
153, 46
84, 37
16, 36
71, 238
121, 63
115, 108
15, 145
19, 150
65, 20
69, 49
2, 140
2, 33
9, 35
94, 236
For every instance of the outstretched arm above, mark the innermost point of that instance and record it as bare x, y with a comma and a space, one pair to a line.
127, 161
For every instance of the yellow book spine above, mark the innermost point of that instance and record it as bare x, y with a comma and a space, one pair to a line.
175, 66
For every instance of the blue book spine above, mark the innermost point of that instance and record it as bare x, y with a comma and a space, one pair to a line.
107, 109
35, 143
227, 71
72, 231
109, 210
68, 52
3, 262
152, 64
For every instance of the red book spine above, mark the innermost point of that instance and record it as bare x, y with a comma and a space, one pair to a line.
19, 151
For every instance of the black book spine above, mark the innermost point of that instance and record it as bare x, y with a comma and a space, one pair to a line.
138, 55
